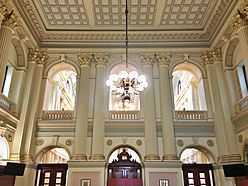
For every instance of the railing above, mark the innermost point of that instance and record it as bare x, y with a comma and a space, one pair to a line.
57, 115
243, 103
191, 115
7, 105
124, 115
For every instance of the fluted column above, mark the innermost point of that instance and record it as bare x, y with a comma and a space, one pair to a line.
207, 97
151, 141
25, 133
99, 109
6, 31
229, 128
220, 118
82, 108
166, 102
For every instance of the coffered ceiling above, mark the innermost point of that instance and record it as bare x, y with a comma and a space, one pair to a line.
101, 23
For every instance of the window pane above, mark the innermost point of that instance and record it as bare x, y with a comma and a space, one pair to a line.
190, 175
191, 181
202, 175
203, 181
47, 174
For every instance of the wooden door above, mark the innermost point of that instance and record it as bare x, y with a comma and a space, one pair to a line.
198, 175
52, 174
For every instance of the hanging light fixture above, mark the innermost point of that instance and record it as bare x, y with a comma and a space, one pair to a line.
126, 85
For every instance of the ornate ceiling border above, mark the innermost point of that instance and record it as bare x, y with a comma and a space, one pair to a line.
44, 37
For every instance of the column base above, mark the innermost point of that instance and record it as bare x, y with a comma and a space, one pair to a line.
97, 157
78, 157
232, 158
151, 157
21, 157
170, 157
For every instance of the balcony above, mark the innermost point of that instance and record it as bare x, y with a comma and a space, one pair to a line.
57, 115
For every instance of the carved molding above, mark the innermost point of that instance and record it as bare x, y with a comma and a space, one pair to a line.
211, 57
38, 56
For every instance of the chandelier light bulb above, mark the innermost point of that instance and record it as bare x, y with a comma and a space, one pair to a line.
141, 78
123, 74
113, 77
133, 75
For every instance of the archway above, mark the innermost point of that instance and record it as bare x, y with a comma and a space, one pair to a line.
124, 167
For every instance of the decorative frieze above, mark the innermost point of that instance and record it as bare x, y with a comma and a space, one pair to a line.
241, 17
101, 58
9, 20
147, 58
38, 56
163, 58
85, 59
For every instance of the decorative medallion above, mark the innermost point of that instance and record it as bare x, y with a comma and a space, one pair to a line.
240, 138
210, 143
109, 142
39, 142
139, 142
180, 143
68, 142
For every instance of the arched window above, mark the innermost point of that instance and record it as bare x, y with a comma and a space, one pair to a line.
55, 155
61, 88
115, 103
188, 88
246, 153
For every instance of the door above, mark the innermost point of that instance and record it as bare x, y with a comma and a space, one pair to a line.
51, 175
198, 175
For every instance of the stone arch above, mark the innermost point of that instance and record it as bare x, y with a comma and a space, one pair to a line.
48, 148
201, 148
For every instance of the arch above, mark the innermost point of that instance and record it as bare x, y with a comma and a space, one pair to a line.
202, 149
67, 61
21, 55
48, 148
245, 150
125, 146
228, 54
190, 63
4, 148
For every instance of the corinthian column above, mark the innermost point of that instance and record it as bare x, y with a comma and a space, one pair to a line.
219, 121
80, 139
151, 141
25, 133
168, 132
99, 109
7, 29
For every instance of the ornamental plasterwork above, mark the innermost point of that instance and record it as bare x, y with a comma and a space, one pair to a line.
147, 58
101, 58
85, 59
210, 57
38, 56
241, 17
163, 58
175, 20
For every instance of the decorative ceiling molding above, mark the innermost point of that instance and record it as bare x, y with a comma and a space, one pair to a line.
65, 22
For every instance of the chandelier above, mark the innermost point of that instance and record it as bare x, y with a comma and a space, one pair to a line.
126, 85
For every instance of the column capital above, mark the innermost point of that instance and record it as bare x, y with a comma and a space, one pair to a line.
147, 58
38, 56
211, 57
85, 59
100, 58
241, 17
9, 19
163, 58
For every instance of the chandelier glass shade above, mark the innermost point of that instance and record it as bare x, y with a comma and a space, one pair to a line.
126, 85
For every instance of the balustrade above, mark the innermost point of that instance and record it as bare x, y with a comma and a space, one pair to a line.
191, 115
243, 103
124, 115
57, 115
7, 105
